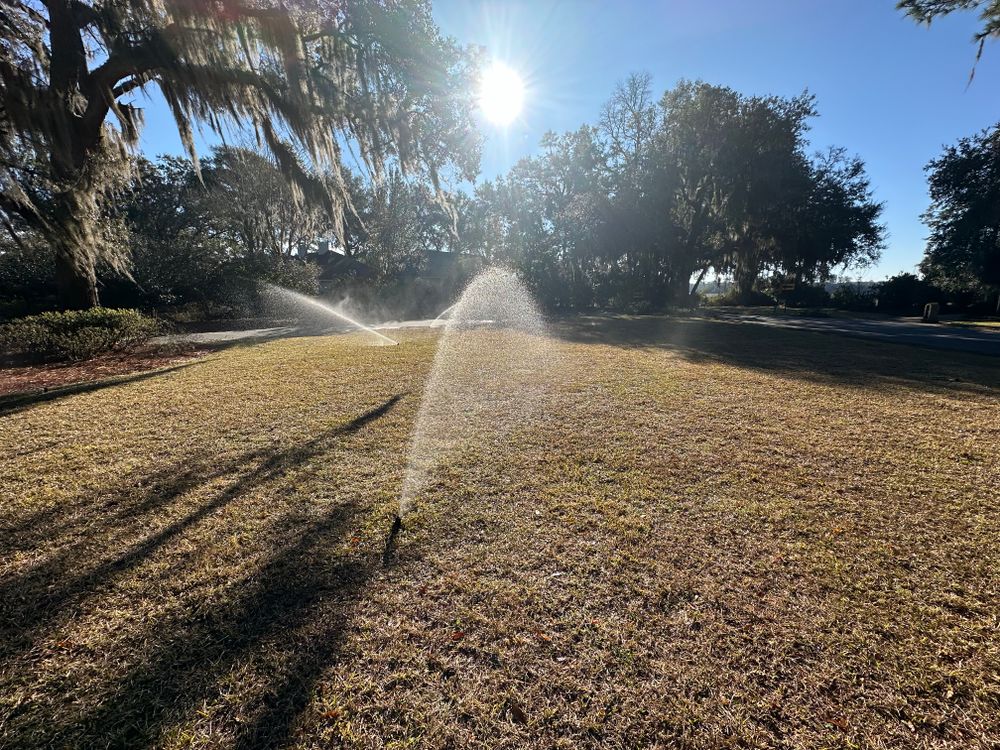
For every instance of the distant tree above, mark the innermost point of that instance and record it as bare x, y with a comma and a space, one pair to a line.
304, 78
628, 213
397, 222
249, 200
391, 242
748, 198
854, 295
551, 207
835, 223
905, 293
771, 175
27, 282
185, 248
740, 165
484, 222
963, 250
628, 122
639, 222
177, 251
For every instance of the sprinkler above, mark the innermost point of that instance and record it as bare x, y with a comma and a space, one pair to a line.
390, 542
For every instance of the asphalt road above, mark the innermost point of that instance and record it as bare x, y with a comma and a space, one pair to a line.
948, 338
251, 335
934, 336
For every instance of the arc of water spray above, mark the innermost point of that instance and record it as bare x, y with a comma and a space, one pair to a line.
482, 382
440, 318
303, 299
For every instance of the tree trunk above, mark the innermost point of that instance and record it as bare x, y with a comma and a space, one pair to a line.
697, 283
746, 275
677, 287
76, 279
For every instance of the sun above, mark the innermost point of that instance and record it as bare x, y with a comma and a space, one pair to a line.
501, 94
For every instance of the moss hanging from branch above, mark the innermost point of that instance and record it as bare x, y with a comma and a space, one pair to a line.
303, 77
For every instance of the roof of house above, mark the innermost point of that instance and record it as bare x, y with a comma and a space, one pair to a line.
334, 265
440, 263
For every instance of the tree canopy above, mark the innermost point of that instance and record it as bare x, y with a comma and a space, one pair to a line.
628, 213
306, 80
925, 11
963, 250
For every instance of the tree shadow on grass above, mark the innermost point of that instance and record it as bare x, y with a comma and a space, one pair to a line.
19, 402
288, 614
284, 626
808, 355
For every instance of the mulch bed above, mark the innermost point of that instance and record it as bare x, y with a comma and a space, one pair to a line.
20, 378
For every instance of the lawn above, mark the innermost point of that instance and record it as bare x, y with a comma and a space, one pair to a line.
988, 324
708, 534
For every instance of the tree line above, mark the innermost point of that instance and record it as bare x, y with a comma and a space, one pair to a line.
637, 209
205, 238
632, 211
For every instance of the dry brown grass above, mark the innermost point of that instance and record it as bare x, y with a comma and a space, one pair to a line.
714, 535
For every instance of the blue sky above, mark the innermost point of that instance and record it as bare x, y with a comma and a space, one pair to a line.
888, 90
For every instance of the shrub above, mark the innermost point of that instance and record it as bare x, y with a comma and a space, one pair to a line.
905, 293
733, 297
75, 334
27, 279
854, 297
240, 289
805, 295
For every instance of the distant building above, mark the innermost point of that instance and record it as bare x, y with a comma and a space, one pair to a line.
446, 266
337, 269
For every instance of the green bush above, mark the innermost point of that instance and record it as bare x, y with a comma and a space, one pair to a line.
242, 279
733, 297
75, 334
804, 295
853, 297
905, 293
27, 279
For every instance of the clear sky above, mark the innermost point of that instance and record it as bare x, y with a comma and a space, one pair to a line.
888, 90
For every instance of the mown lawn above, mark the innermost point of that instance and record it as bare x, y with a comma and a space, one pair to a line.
710, 534
975, 323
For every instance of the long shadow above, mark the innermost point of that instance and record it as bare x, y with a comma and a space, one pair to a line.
161, 488
48, 590
286, 625
62, 521
793, 353
21, 401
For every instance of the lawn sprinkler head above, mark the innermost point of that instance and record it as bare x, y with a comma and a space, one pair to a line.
390, 542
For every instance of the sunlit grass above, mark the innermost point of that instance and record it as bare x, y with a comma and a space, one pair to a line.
712, 534
975, 323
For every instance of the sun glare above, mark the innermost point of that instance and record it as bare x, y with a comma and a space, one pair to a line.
501, 94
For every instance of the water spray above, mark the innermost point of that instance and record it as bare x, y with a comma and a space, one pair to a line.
302, 299
439, 318
483, 381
